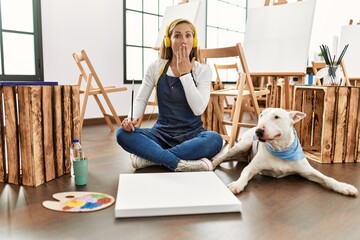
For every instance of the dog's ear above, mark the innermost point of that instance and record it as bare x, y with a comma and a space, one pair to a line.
296, 116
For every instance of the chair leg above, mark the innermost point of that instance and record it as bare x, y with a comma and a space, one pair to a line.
112, 110
138, 124
106, 116
83, 109
237, 113
219, 115
108, 102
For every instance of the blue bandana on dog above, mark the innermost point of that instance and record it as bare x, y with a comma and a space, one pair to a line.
293, 153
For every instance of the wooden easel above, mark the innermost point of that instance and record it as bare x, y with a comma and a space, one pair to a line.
278, 2
274, 76
356, 80
275, 2
352, 21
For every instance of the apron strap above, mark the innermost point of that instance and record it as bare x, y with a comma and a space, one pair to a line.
166, 66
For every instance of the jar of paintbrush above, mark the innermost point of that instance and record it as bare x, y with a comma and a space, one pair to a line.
332, 74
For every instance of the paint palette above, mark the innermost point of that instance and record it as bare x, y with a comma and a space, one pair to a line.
79, 201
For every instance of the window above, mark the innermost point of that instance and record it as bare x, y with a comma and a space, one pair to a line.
226, 20
142, 19
20, 41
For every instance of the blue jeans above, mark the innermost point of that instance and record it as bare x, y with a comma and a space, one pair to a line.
206, 145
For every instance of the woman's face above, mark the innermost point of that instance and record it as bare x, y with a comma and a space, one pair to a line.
182, 35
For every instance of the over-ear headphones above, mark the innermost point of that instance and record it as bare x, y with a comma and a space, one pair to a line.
167, 41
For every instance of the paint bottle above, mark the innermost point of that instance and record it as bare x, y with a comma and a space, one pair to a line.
76, 154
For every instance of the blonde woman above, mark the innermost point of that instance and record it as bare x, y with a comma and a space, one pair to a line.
177, 140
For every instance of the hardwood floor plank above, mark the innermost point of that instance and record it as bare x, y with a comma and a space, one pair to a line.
287, 208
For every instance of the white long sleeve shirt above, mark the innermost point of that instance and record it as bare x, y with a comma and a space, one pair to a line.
197, 95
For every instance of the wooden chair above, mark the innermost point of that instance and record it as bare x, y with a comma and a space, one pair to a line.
316, 66
83, 62
226, 67
233, 71
245, 90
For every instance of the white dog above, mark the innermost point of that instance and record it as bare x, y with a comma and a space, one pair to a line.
274, 150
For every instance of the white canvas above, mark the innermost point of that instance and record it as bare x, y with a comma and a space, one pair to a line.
188, 11
277, 38
350, 34
161, 194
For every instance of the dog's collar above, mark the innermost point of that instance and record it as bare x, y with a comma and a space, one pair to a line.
292, 153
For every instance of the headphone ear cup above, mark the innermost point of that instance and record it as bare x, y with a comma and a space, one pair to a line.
167, 42
195, 42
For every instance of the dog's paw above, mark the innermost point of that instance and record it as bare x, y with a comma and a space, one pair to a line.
346, 189
220, 157
235, 187
351, 191
216, 162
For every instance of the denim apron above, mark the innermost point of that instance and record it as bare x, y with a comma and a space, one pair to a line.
176, 121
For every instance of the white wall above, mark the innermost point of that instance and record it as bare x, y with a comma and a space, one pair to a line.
94, 25
97, 26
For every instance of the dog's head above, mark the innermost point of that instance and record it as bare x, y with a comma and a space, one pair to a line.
276, 122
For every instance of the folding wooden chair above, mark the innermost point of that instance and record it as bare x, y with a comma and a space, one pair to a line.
83, 62
244, 90
231, 72
149, 103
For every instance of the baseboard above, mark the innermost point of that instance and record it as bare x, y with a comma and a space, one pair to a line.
98, 121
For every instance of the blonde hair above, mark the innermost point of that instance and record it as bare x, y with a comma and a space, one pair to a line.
166, 52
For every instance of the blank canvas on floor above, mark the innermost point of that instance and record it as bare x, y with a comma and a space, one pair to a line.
161, 194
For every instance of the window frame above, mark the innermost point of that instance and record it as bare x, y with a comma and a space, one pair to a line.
38, 52
225, 30
125, 45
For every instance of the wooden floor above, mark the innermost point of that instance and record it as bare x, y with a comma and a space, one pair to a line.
288, 208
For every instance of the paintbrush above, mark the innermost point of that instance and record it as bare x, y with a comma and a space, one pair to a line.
325, 55
132, 100
329, 61
342, 54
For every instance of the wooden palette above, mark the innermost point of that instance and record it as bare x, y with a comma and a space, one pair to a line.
79, 201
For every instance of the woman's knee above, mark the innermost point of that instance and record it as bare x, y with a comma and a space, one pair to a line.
120, 135
214, 139
218, 141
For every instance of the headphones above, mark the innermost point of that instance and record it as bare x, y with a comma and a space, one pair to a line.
167, 41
